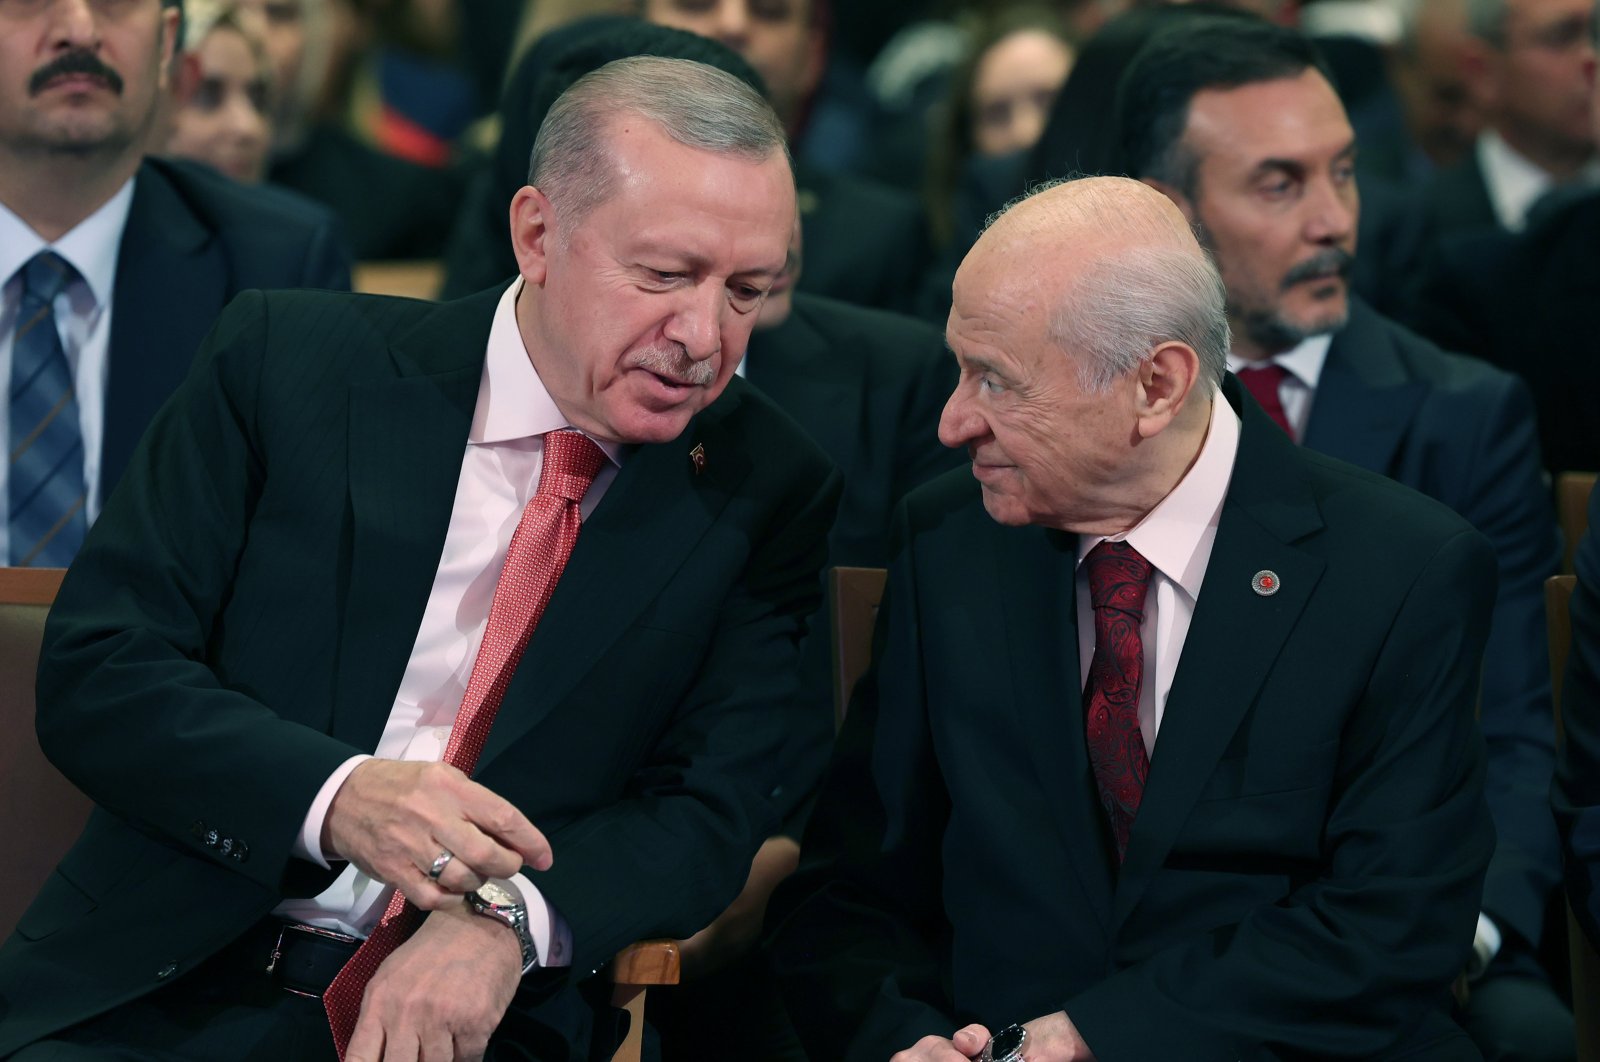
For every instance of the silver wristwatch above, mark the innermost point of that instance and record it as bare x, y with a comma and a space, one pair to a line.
1005, 1045
500, 899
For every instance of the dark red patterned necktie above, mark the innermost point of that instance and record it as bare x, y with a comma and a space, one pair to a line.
1265, 384
534, 561
1118, 580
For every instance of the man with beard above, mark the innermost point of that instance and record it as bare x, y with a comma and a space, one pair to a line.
112, 266
1238, 123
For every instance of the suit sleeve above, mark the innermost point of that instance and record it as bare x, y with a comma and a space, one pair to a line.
700, 807
1381, 925
1577, 789
858, 934
327, 261
128, 708
1506, 500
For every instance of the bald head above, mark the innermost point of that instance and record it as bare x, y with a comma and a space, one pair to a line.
1115, 269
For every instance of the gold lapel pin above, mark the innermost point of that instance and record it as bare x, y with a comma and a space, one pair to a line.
697, 458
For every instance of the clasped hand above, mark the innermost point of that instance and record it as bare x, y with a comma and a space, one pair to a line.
1052, 1038
393, 818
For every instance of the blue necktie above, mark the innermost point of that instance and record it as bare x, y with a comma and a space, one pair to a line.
45, 480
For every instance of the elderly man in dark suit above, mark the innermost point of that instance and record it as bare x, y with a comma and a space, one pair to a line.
1238, 123
1168, 749
491, 608
112, 268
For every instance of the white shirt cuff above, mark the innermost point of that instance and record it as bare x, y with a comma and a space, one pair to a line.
308, 845
1485, 946
552, 939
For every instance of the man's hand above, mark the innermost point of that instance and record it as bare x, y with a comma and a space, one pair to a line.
1053, 1038
737, 930
965, 1044
393, 818
441, 994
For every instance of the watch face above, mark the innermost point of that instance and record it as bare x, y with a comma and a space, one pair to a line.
492, 892
1007, 1042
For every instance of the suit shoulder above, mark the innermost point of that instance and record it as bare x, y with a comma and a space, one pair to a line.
1381, 512
233, 208
1441, 370
889, 341
763, 428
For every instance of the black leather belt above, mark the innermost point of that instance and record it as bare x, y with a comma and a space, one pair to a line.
298, 958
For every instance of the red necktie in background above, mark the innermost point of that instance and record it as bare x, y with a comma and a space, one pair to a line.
539, 550
1265, 385
1118, 580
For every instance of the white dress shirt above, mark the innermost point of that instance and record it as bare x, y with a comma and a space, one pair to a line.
1302, 366
499, 475
1176, 538
1515, 182
83, 316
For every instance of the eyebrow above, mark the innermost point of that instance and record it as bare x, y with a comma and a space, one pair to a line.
700, 264
1297, 166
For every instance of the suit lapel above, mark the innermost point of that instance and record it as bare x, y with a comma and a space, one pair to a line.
407, 435
1234, 638
814, 385
647, 525
1037, 598
1365, 400
170, 283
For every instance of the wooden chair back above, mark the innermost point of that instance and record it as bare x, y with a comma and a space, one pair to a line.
1585, 959
853, 596
1572, 511
41, 813
421, 279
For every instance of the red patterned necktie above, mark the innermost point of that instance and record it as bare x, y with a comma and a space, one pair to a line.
1265, 384
539, 550
1118, 580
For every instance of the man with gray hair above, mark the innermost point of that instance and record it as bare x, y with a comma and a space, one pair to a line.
1168, 746
434, 653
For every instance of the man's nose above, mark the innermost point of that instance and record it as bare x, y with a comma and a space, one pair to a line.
958, 423
73, 25
697, 321
1332, 210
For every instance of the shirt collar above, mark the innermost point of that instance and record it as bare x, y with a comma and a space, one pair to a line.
1170, 535
1303, 362
91, 246
1513, 180
513, 402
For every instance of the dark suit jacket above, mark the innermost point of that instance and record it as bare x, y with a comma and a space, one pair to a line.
1457, 199
864, 242
1303, 876
1525, 302
193, 241
241, 616
1577, 789
868, 387
1463, 433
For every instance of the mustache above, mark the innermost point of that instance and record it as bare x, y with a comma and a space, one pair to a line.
674, 363
1335, 261
74, 62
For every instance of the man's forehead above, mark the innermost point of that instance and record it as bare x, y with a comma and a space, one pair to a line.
1259, 115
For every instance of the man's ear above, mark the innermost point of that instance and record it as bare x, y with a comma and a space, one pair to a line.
1182, 201
186, 77
532, 233
1166, 380
170, 19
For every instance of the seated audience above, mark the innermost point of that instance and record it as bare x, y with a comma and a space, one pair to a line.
865, 243
1530, 67
113, 266
1244, 845
997, 104
221, 113
1238, 123
420, 726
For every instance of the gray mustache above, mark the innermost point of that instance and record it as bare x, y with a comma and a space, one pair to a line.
675, 364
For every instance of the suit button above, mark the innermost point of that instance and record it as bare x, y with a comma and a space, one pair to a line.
226, 847
198, 828
241, 852
212, 838
167, 971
